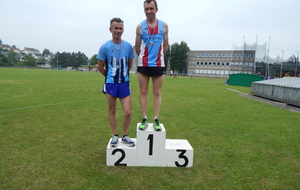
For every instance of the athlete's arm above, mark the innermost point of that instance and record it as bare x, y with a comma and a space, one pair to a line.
129, 64
101, 67
138, 39
166, 38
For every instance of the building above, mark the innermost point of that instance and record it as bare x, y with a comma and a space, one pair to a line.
5, 47
30, 51
220, 63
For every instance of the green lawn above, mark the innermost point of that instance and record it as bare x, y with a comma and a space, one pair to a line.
54, 132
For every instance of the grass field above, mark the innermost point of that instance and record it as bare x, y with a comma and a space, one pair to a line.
54, 131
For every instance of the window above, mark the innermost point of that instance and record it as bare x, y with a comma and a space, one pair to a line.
197, 63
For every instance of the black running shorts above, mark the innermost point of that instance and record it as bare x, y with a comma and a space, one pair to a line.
152, 71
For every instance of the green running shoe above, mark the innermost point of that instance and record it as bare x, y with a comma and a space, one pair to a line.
143, 125
156, 125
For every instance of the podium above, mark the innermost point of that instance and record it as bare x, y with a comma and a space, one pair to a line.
151, 149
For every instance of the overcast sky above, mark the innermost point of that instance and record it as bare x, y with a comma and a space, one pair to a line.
82, 25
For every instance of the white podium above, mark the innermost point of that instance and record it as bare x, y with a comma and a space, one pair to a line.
151, 149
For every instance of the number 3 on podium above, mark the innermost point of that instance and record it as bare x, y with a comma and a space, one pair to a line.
123, 155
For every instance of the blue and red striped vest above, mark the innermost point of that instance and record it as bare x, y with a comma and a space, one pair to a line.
151, 54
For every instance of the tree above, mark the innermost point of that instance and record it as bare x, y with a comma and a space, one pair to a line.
28, 60
173, 56
67, 59
178, 56
82, 59
183, 50
4, 61
0, 41
13, 57
46, 52
93, 60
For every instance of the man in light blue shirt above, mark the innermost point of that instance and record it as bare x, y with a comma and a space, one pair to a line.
114, 63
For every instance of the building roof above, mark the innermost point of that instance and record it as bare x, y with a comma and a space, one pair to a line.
293, 82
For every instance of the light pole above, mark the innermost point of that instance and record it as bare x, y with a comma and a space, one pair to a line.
268, 69
243, 58
295, 59
297, 62
281, 64
254, 69
57, 60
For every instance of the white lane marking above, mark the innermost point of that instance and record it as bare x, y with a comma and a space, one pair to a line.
43, 105
237, 91
24, 94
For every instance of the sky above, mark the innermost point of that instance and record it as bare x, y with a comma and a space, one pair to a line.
83, 25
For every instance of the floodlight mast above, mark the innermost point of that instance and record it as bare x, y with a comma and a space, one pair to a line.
281, 64
296, 62
57, 60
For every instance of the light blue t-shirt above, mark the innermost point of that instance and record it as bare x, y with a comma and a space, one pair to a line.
116, 57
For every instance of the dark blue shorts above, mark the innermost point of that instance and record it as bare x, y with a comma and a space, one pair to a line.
118, 90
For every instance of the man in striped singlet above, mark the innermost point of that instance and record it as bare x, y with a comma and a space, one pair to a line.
151, 44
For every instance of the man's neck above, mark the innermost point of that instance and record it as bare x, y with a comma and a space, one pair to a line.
151, 22
117, 41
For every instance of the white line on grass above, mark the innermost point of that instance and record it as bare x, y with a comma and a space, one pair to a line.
36, 106
237, 91
24, 94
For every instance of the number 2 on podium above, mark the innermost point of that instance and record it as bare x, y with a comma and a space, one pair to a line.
150, 138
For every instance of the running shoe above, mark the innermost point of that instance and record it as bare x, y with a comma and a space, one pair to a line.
114, 141
126, 140
143, 125
156, 125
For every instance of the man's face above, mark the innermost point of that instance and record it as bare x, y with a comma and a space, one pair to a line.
117, 30
150, 10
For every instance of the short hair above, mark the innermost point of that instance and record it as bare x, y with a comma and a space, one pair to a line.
149, 1
116, 20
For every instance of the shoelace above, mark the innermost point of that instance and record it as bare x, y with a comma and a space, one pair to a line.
115, 138
126, 139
